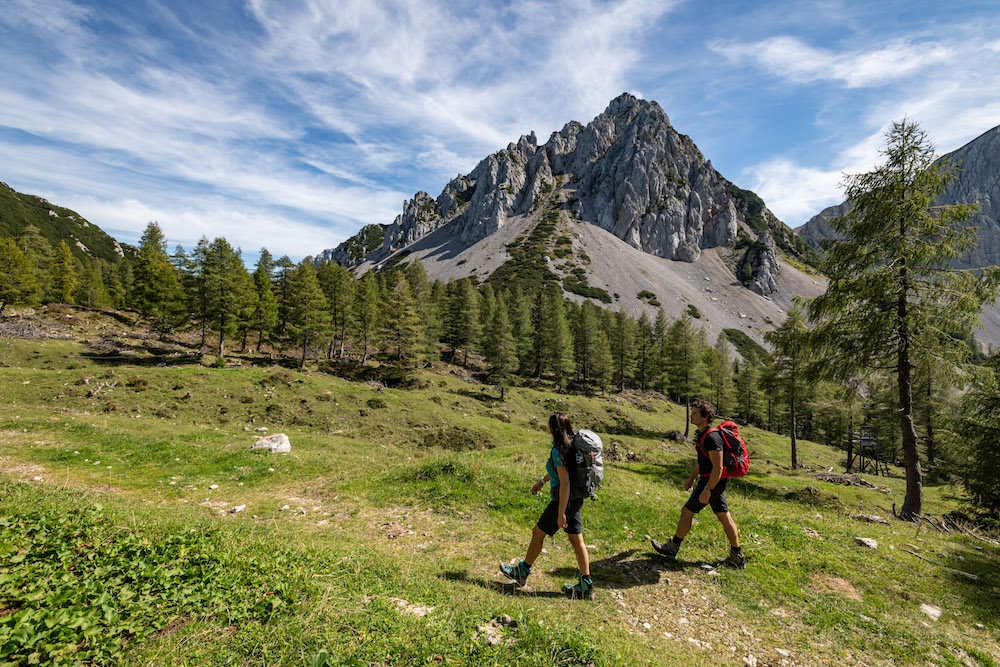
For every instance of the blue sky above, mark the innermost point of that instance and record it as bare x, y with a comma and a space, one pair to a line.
289, 124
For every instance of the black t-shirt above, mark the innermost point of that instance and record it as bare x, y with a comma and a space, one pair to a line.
710, 443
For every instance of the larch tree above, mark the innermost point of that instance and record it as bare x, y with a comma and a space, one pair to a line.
891, 277
791, 359
308, 318
18, 283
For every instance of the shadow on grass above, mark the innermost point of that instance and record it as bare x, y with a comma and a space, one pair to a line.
497, 586
630, 568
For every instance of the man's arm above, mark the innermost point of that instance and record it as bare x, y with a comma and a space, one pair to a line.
716, 457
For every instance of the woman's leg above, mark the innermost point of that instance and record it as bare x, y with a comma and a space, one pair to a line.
535, 546
580, 549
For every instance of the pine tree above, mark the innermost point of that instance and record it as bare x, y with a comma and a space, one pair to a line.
685, 369
502, 346
720, 374
524, 330
891, 277
282, 271
111, 277
401, 329
365, 312
463, 326
18, 283
228, 288
558, 338
338, 287
91, 291
196, 287
586, 331
622, 338
38, 251
308, 316
658, 362
644, 350
64, 279
265, 314
790, 353
156, 290
747, 388
602, 362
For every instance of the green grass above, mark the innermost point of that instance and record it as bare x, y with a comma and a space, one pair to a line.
419, 500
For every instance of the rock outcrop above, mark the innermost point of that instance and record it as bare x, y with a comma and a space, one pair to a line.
628, 171
758, 266
978, 181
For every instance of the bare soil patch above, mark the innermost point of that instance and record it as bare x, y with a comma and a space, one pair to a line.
825, 583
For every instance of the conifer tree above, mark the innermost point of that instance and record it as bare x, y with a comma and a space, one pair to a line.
126, 278
790, 354
659, 351
891, 277
282, 271
524, 330
156, 290
586, 330
18, 283
644, 350
622, 340
64, 278
502, 355
464, 329
428, 305
401, 324
557, 337
602, 362
265, 313
38, 251
308, 317
365, 312
338, 287
747, 387
110, 276
196, 286
720, 374
684, 367
228, 288
91, 291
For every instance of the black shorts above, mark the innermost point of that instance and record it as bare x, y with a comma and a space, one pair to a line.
717, 501
548, 522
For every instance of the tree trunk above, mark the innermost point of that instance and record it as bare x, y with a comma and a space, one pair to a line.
244, 348
913, 502
305, 346
687, 419
850, 441
792, 425
930, 423
260, 339
222, 342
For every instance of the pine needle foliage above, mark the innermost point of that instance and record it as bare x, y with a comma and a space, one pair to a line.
891, 278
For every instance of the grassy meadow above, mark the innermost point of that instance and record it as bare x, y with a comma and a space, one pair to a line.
376, 540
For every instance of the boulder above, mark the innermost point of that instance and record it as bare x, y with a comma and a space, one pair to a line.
866, 542
276, 444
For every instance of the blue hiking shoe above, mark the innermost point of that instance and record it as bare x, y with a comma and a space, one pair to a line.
519, 573
583, 589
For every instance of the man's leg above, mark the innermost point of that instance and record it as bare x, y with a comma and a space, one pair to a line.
729, 526
684, 523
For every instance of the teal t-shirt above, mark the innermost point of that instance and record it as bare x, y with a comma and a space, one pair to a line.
550, 467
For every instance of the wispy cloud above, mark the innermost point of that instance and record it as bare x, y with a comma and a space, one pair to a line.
793, 59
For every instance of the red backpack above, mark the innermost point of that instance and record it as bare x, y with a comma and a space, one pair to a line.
735, 456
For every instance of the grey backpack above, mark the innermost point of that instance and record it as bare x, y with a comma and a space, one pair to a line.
586, 469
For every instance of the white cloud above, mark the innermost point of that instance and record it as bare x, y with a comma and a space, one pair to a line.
793, 59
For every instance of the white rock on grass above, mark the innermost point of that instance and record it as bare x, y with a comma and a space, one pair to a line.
931, 610
276, 444
866, 542
238, 509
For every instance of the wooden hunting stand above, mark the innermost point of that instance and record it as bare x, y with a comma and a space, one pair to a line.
863, 448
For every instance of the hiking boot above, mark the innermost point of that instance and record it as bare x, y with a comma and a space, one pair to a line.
734, 560
519, 573
583, 589
666, 549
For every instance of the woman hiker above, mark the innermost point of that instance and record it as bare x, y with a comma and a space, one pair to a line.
561, 512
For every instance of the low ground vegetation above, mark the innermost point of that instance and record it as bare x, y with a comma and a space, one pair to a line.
137, 527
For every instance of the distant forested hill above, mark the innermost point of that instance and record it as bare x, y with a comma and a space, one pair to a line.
56, 224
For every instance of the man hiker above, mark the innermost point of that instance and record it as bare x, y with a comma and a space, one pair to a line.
710, 489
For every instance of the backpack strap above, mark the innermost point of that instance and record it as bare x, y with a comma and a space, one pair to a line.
704, 435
